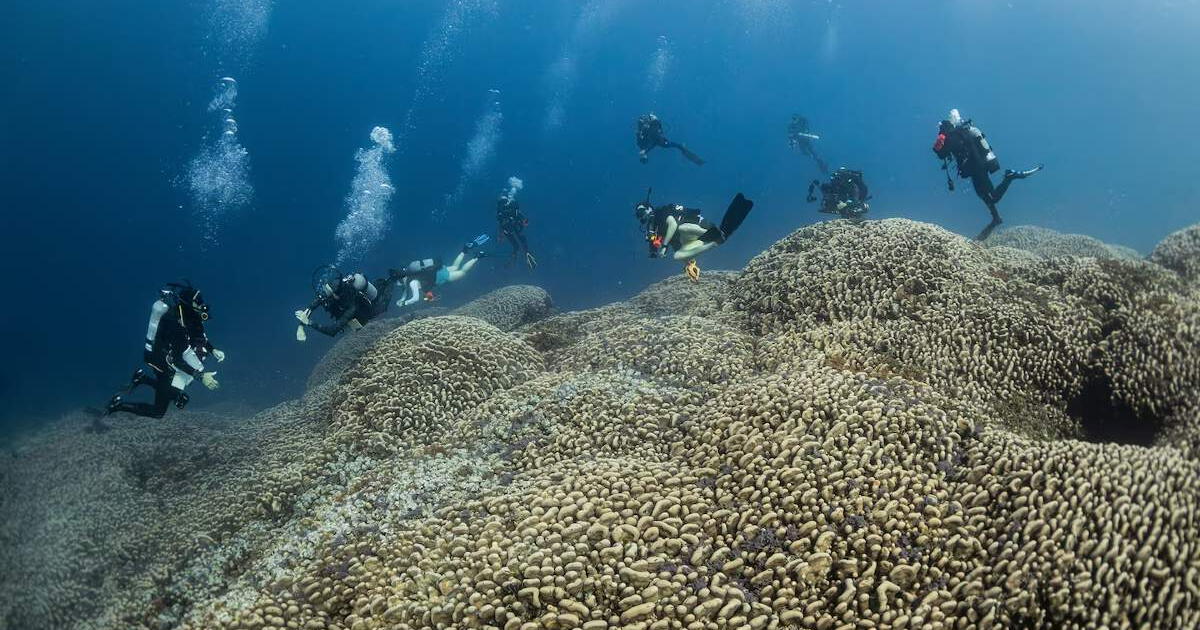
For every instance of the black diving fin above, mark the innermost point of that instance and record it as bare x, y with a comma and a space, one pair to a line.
735, 214
692, 157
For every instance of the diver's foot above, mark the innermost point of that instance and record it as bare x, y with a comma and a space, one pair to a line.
481, 254
1010, 174
114, 405
987, 231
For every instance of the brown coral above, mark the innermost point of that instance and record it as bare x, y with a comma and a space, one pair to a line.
875, 425
1180, 252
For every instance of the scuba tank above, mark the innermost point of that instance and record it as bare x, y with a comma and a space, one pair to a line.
982, 147
364, 287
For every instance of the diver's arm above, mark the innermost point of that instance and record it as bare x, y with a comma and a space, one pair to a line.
414, 290
336, 327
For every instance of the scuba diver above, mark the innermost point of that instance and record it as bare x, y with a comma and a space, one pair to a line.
686, 231
351, 301
176, 346
968, 146
844, 194
420, 276
512, 224
799, 137
650, 135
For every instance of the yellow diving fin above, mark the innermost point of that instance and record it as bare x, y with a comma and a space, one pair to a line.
692, 270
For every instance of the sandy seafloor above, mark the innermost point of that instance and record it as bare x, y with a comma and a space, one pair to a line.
880, 425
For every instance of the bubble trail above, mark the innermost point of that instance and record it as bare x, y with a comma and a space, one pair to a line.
660, 65
440, 48
235, 29
560, 76
481, 148
367, 218
218, 176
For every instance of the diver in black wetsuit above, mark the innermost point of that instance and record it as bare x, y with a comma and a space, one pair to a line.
845, 194
176, 346
685, 230
967, 145
650, 135
350, 300
512, 222
799, 137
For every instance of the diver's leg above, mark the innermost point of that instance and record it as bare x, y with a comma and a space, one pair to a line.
164, 395
996, 221
983, 187
690, 231
458, 271
821, 165
452, 267
687, 153
693, 249
1009, 177
524, 243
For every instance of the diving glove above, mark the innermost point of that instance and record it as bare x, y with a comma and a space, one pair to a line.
303, 316
210, 380
219, 355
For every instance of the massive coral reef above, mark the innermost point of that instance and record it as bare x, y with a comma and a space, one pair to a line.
873, 425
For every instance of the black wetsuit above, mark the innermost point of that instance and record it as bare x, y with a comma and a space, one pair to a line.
844, 187
972, 161
800, 126
650, 135
348, 305
512, 225
180, 344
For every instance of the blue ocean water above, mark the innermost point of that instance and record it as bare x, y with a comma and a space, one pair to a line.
106, 105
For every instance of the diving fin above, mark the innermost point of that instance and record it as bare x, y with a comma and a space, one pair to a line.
692, 157
530, 260
1023, 174
300, 334
735, 214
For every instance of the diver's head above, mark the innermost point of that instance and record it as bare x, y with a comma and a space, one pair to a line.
945, 127
190, 298
642, 211
502, 202
955, 118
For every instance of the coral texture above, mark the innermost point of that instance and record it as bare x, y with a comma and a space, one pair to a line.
874, 425
1050, 244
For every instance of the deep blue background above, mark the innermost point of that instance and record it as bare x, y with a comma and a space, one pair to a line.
104, 103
